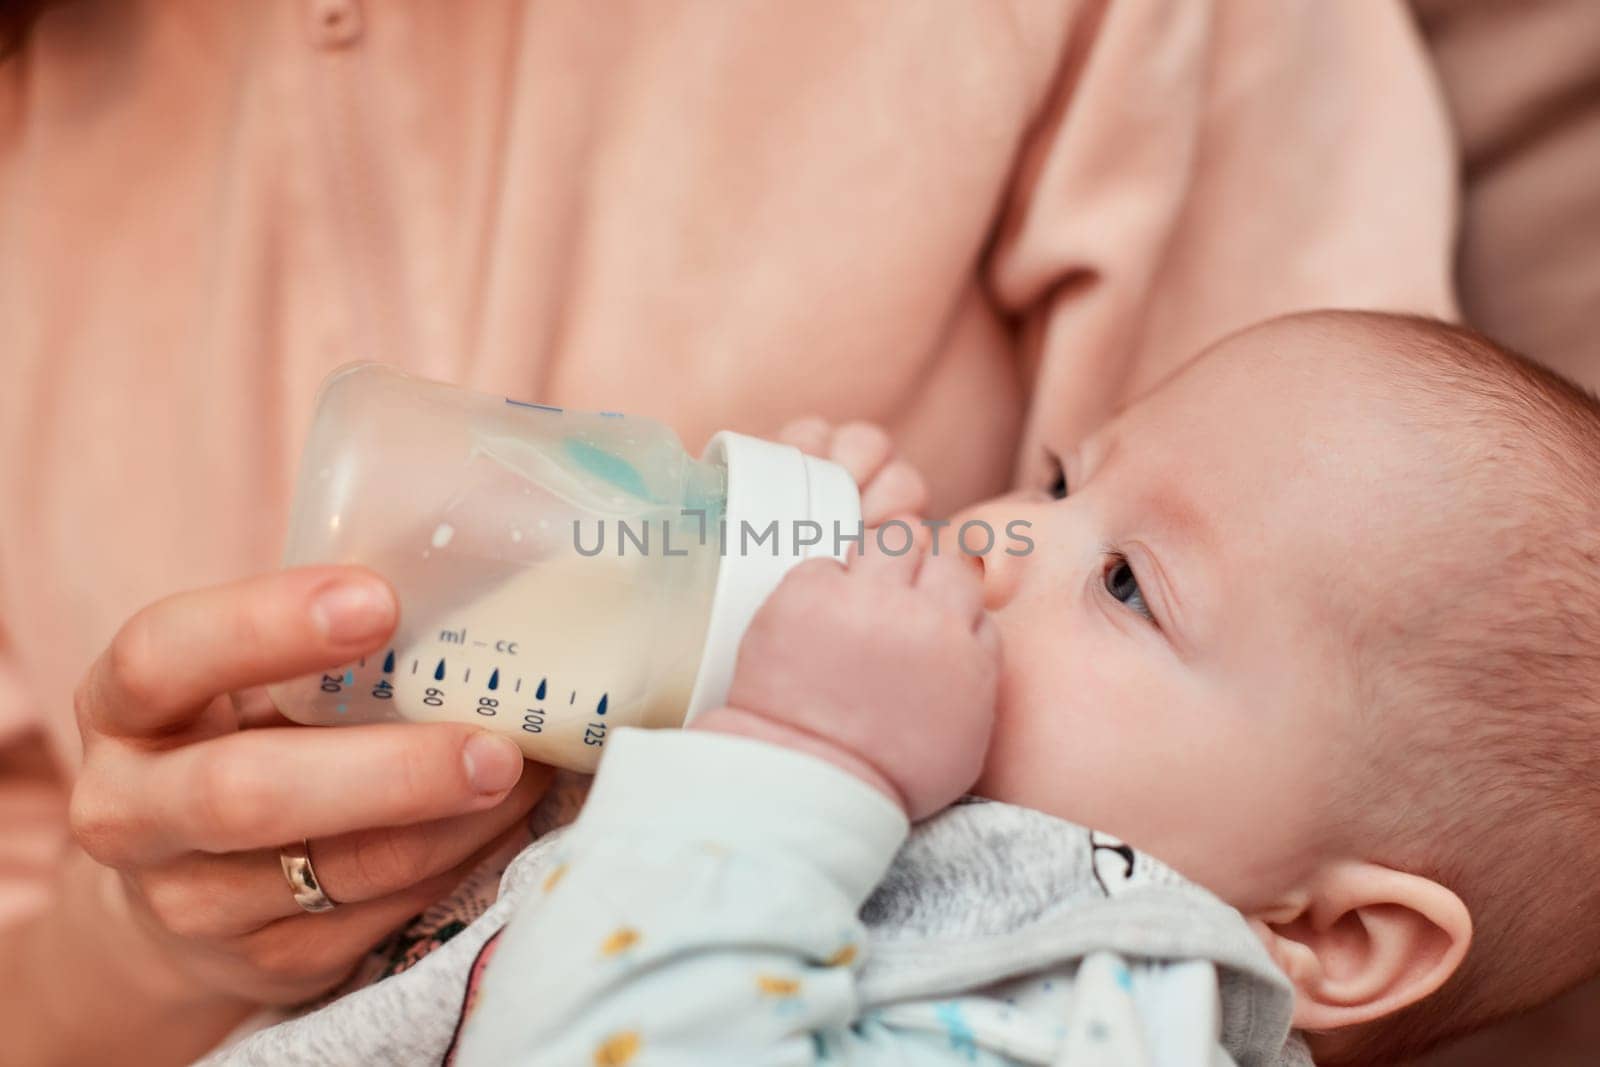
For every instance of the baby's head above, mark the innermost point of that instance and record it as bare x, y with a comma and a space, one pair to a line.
1317, 622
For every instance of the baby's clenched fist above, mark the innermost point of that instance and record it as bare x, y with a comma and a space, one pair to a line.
885, 666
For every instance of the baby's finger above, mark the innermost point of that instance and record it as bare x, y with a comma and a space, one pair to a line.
898, 489
862, 448
809, 435
892, 553
949, 578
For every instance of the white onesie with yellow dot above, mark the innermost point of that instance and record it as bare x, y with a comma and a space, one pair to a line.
724, 901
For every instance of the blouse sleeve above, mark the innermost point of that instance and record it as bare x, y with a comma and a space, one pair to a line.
1201, 166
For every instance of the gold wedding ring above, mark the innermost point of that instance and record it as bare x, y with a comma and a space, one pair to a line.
296, 862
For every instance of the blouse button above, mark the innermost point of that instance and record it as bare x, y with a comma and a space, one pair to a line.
334, 23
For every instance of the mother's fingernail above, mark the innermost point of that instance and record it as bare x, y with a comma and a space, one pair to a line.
493, 763
352, 610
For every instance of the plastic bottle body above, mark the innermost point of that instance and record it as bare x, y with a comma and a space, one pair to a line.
555, 569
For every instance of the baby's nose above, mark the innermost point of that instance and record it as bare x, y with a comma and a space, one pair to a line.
993, 596
994, 568
999, 574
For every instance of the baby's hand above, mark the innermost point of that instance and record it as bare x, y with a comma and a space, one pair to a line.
885, 667
890, 486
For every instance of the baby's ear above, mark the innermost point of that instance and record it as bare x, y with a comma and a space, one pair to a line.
1362, 941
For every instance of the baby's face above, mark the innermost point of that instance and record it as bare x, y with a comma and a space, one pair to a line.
1177, 665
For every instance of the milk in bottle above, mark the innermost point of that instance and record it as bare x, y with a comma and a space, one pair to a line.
560, 573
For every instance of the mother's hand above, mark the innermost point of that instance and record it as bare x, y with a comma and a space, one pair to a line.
191, 783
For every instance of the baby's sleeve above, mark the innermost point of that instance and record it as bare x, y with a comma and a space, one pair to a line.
701, 911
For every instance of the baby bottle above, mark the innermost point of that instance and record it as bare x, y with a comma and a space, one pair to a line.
560, 573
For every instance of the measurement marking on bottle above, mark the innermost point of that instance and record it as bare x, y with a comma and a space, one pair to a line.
600, 709
531, 404
573, 699
539, 693
494, 679
349, 677
413, 666
438, 672
388, 662
468, 676
342, 708
518, 689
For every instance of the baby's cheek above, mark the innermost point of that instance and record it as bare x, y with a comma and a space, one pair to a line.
1105, 739
1054, 748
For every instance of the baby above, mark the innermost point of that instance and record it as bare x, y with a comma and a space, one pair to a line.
1315, 623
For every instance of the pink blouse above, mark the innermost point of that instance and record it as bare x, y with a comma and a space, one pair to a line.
975, 222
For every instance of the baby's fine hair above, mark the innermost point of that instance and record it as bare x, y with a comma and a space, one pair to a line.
1480, 674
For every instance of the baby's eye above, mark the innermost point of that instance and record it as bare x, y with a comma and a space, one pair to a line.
1123, 585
